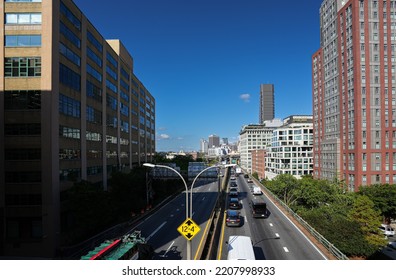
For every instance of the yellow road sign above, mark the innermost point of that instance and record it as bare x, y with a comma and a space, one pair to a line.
188, 229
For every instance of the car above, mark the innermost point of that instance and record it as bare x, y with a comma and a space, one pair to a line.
232, 178
246, 176
392, 245
234, 203
250, 180
234, 184
233, 218
387, 230
257, 191
233, 189
233, 194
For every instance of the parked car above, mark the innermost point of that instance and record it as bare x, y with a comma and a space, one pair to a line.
387, 230
250, 180
234, 203
246, 176
233, 218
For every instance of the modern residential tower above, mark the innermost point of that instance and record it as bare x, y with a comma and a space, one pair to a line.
71, 109
354, 93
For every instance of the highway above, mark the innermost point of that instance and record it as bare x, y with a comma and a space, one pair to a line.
160, 229
274, 238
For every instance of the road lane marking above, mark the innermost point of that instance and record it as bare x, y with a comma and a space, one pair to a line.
277, 236
166, 252
155, 231
203, 198
271, 225
286, 250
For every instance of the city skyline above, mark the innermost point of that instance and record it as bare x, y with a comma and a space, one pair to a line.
204, 62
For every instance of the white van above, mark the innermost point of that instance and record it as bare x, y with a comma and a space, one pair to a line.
257, 191
240, 248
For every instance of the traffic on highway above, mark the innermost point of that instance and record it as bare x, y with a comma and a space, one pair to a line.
248, 213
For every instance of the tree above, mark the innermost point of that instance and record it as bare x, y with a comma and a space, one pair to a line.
284, 186
384, 198
368, 218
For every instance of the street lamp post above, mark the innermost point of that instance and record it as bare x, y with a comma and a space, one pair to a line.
196, 177
185, 185
188, 214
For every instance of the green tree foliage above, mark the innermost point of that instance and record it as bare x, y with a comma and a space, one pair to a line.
384, 198
368, 218
283, 186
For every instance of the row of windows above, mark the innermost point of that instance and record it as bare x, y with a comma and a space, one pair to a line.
23, 40
22, 154
22, 66
22, 129
69, 54
23, 177
70, 16
73, 38
94, 73
23, 0
22, 100
22, 199
95, 58
23, 18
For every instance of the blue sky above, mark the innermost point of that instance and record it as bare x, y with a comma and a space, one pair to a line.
204, 61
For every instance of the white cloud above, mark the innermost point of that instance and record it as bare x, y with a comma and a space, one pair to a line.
245, 97
163, 137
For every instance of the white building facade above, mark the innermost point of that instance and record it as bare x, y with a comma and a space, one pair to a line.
291, 148
254, 137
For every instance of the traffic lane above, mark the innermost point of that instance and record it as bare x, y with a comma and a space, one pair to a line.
161, 228
276, 237
229, 231
293, 244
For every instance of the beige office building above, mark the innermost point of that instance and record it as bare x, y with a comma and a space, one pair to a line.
71, 109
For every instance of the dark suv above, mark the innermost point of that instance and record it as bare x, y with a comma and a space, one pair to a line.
234, 203
233, 219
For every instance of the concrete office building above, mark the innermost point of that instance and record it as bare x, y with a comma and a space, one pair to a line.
214, 141
354, 93
267, 103
71, 109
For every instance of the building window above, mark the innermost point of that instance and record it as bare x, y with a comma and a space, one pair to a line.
22, 154
69, 132
22, 100
23, 18
95, 58
23, 40
70, 16
69, 78
69, 106
69, 35
22, 67
69, 54
22, 129
91, 38
69, 154
94, 73
94, 91
93, 115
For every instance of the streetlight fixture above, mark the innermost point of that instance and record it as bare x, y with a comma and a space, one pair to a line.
185, 185
188, 215
196, 177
